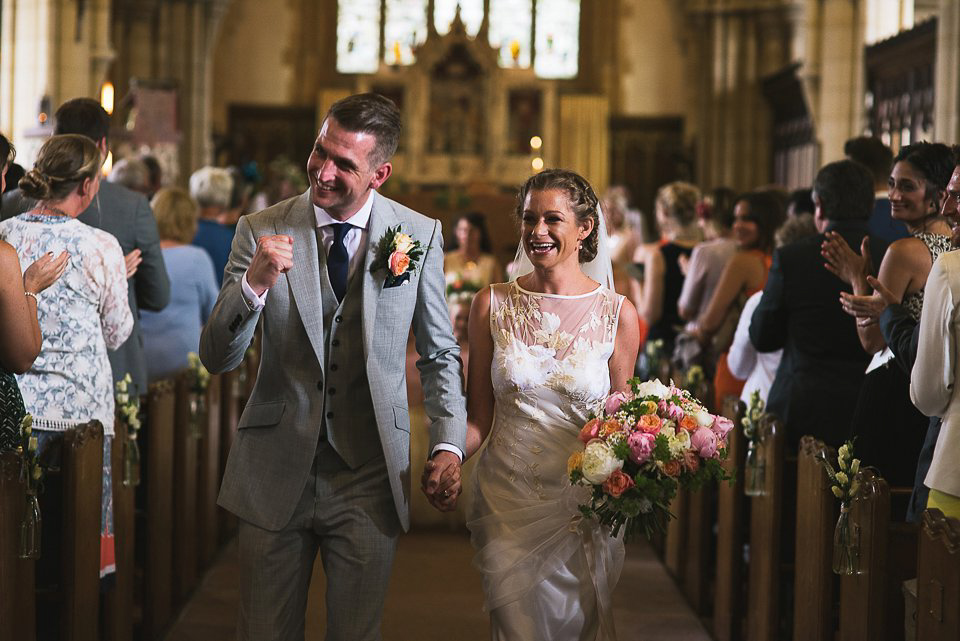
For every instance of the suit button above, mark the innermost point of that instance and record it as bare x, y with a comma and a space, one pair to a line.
338, 319
332, 391
335, 342
329, 414
333, 367
320, 385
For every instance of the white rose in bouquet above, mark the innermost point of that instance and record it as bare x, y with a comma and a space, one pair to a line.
653, 388
599, 462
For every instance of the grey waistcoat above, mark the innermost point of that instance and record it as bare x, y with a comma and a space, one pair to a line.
350, 424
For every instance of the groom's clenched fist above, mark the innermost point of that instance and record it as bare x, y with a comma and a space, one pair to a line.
274, 256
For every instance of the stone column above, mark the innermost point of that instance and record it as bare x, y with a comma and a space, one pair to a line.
54, 48
946, 115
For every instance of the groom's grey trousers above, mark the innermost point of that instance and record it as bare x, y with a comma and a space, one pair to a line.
345, 512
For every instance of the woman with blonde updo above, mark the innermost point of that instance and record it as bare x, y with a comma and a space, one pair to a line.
676, 212
83, 314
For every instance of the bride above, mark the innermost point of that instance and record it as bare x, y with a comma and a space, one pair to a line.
545, 350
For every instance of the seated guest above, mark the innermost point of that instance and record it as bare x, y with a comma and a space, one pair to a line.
756, 217
877, 157
823, 362
800, 203
21, 339
661, 263
469, 256
211, 188
83, 314
239, 197
154, 173
756, 369
175, 332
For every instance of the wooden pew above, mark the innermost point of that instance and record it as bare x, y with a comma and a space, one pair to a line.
208, 479
871, 603
676, 538
72, 603
156, 526
729, 594
17, 604
938, 578
766, 516
230, 409
118, 602
816, 517
184, 492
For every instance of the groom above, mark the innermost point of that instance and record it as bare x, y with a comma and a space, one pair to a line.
321, 462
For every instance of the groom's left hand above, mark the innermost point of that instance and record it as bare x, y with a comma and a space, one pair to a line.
441, 480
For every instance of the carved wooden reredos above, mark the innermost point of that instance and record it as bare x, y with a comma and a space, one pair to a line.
467, 120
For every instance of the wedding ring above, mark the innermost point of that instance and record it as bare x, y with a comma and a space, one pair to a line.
446, 494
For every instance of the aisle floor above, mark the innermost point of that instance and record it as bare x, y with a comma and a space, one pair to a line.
435, 595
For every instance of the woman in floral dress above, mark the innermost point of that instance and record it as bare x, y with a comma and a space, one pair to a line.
81, 315
545, 350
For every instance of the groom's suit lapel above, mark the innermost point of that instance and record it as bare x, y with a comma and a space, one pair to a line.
382, 217
304, 277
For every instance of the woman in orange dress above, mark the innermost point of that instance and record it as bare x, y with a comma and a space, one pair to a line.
756, 216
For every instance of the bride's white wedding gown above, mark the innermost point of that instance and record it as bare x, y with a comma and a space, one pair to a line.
548, 574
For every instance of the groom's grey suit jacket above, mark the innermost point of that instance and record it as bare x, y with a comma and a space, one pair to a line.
280, 427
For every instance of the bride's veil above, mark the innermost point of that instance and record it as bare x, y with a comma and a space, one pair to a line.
599, 269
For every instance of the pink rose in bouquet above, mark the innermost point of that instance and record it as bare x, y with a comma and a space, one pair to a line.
641, 446
722, 426
705, 441
613, 403
617, 484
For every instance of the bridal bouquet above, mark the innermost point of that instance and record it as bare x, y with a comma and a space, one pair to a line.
639, 448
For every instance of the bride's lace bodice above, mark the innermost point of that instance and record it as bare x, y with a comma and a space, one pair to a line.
550, 370
561, 343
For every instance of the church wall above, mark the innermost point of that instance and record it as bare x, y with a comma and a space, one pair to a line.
251, 62
651, 60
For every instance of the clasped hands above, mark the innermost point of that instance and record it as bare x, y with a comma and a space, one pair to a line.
440, 481
856, 270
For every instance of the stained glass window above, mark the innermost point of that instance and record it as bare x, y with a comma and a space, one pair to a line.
471, 13
510, 24
404, 29
358, 36
558, 38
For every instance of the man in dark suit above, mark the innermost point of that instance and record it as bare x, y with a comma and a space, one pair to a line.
126, 215
817, 383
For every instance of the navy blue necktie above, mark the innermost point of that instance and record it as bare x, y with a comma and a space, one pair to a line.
338, 261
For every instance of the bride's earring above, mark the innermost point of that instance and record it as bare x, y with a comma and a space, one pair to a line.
579, 244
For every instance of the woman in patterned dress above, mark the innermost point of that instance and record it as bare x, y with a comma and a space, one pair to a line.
81, 315
18, 318
889, 429
545, 350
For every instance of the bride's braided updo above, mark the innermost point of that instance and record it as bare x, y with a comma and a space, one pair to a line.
583, 202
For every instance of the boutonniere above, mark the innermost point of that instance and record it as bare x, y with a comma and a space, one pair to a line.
397, 253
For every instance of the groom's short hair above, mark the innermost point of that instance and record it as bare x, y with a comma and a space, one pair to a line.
374, 114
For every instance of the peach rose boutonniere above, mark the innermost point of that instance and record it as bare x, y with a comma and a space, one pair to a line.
398, 254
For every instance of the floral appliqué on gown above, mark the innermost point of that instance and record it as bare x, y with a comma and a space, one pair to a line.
547, 572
